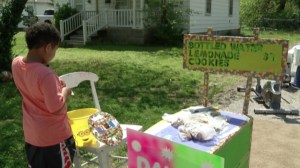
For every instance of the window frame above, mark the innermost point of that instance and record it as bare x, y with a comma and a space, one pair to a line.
208, 7
230, 9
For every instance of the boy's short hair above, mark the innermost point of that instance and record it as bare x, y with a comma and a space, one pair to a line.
41, 34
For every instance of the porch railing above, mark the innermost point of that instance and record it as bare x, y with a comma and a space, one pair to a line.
124, 18
93, 24
120, 18
139, 16
74, 22
112, 18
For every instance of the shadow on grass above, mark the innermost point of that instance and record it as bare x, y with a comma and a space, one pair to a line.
12, 152
109, 46
12, 144
11, 101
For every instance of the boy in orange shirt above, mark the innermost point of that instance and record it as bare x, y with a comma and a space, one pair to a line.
49, 141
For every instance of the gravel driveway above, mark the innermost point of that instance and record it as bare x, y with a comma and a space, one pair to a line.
275, 138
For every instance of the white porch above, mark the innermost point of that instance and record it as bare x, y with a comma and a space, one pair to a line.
127, 15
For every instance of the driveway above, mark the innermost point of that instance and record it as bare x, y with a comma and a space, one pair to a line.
275, 138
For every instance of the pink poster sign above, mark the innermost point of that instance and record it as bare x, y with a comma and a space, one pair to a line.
148, 151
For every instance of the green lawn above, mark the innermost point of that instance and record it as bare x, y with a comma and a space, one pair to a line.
292, 36
137, 85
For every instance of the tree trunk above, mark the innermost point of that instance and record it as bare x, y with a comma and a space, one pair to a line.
164, 11
281, 5
10, 18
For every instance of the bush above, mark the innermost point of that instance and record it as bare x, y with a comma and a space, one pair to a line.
165, 21
271, 14
253, 12
63, 12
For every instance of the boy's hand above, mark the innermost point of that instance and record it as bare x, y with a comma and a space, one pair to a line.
66, 92
62, 83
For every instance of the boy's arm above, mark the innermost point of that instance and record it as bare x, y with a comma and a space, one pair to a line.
55, 94
65, 93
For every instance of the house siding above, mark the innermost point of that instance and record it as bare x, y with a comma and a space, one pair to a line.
90, 6
219, 19
40, 7
101, 5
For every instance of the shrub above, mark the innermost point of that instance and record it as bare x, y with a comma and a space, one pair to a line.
10, 16
63, 12
165, 21
272, 14
252, 12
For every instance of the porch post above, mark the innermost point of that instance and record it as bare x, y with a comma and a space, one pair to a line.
84, 31
106, 17
134, 13
97, 7
83, 5
61, 28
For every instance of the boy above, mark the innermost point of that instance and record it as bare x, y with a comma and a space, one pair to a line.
48, 138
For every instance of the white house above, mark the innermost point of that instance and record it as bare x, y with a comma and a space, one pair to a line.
221, 15
123, 19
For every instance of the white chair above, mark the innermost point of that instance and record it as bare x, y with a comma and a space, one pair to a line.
102, 151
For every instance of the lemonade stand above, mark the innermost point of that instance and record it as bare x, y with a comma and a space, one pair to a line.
162, 144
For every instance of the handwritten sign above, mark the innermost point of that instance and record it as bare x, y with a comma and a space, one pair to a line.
148, 151
264, 58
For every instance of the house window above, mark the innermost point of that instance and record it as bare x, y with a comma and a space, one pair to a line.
230, 7
208, 7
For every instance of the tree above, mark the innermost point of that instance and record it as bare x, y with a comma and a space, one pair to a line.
273, 13
165, 21
281, 5
252, 12
10, 16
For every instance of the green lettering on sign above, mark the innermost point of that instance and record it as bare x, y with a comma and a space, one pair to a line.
264, 58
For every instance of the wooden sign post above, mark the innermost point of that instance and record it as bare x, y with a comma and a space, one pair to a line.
246, 56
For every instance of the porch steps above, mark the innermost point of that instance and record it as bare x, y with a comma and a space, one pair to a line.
76, 39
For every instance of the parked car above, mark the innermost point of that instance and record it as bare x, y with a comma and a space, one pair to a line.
48, 17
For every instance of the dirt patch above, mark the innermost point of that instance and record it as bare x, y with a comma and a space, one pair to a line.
275, 145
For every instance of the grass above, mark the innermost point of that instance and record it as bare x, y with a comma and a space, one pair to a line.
292, 36
137, 85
